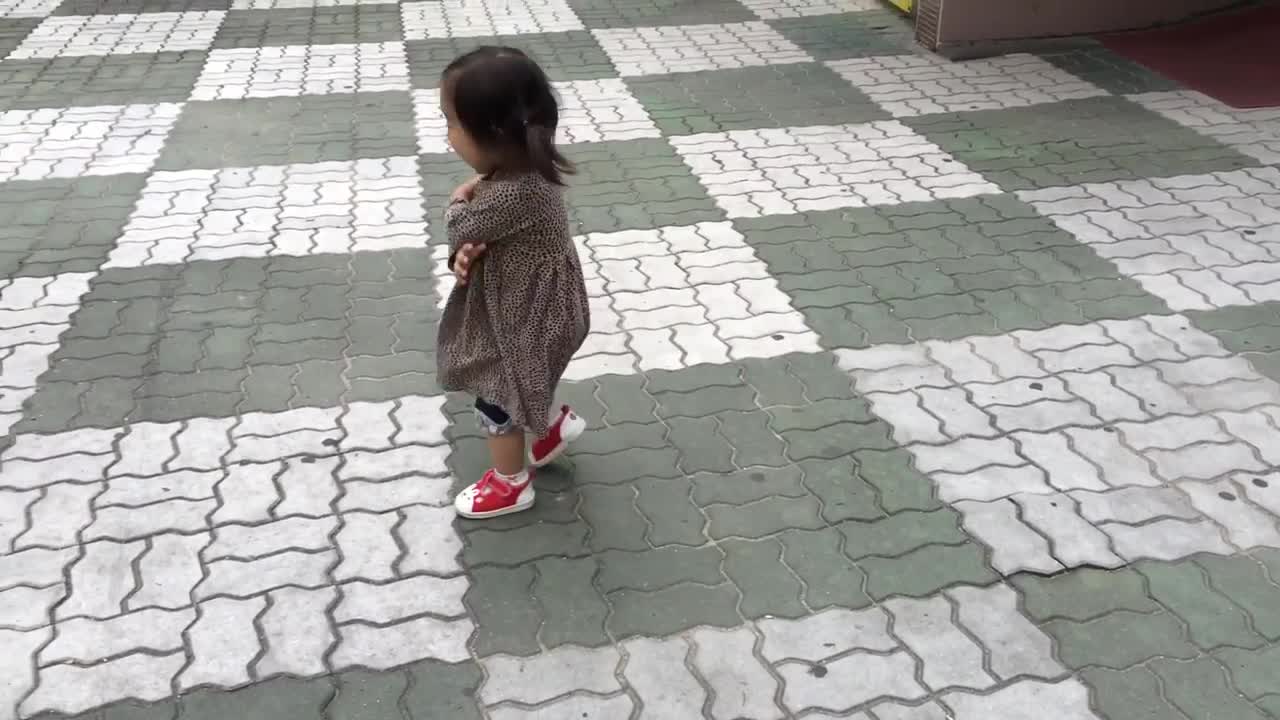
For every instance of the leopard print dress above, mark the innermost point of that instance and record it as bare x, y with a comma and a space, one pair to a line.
509, 333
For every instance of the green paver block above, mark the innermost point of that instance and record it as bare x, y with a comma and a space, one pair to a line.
843, 493
754, 443
722, 392
656, 569
763, 517
500, 600
672, 609
768, 588
118, 7
1270, 558
747, 486
702, 449
899, 486
1119, 639
1199, 688
364, 695
821, 377
1042, 146
624, 466
443, 691
939, 270
63, 225
597, 14
304, 129
213, 338
770, 96
615, 439
564, 56
901, 533
668, 506
366, 23
1243, 580
830, 577
1211, 619
1132, 694
572, 610
520, 545
1253, 672
830, 429
13, 31
841, 36
279, 698
773, 382
623, 399
926, 570
635, 185
1109, 71
99, 80
1084, 593
615, 521
1250, 330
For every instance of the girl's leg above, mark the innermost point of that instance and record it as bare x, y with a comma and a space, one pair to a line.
505, 488
507, 451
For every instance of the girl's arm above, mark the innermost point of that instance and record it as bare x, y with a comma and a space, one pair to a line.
495, 212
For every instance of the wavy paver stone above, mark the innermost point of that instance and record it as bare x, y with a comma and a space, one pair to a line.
916, 389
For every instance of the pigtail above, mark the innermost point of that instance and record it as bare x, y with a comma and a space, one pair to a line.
544, 156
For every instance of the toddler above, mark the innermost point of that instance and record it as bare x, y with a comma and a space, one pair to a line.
519, 310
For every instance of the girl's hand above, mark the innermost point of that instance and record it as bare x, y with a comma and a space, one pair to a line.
464, 259
465, 191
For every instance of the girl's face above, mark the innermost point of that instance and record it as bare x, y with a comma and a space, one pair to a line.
461, 141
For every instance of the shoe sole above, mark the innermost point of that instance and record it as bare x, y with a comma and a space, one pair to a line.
520, 506
570, 430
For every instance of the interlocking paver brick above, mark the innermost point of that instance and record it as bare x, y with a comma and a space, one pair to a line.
823, 422
533, 680
1200, 687
283, 26
752, 173
908, 85
1026, 149
1120, 639
1252, 132
564, 56
606, 14
1132, 693
73, 689
656, 670
123, 33
866, 32
850, 681
949, 657
380, 648
223, 642
1249, 586
782, 95
1024, 701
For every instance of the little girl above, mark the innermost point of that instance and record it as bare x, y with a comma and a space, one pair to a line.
519, 313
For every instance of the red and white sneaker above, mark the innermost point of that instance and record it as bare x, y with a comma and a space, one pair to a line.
493, 496
567, 427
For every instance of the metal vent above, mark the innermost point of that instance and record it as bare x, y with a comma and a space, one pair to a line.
928, 22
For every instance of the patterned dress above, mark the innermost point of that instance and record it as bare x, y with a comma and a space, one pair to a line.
509, 333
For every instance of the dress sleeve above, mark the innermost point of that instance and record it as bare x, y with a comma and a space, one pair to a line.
496, 212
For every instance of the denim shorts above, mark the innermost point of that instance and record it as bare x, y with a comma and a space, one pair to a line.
492, 419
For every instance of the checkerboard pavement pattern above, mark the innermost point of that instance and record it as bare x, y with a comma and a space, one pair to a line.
917, 390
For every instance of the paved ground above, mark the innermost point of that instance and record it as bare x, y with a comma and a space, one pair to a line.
918, 390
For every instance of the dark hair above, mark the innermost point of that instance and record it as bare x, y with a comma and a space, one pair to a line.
501, 97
